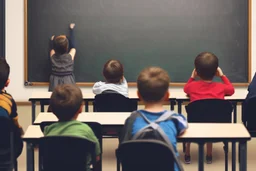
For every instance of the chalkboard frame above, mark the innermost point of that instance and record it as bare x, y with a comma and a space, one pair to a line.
89, 84
2, 9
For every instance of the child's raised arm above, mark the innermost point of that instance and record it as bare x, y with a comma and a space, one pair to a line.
72, 51
229, 89
52, 52
191, 79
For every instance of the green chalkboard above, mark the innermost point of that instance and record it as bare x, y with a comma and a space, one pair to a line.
140, 33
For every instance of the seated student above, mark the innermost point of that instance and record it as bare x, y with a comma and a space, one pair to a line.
8, 106
251, 94
153, 90
206, 67
66, 102
114, 74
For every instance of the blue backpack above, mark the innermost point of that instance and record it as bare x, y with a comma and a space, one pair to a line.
154, 131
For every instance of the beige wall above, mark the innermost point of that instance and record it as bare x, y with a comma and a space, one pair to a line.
15, 50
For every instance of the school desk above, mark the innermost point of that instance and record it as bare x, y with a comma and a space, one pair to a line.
44, 97
108, 123
238, 96
197, 132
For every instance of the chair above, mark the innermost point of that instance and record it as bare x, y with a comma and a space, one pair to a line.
113, 102
149, 155
249, 116
7, 151
97, 130
211, 111
65, 153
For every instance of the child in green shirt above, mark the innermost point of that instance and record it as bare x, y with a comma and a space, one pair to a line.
66, 102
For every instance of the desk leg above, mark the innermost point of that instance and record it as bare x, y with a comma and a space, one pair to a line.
86, 106
201, 157
235, 112
33, 103
243, 156
30, 157
172, 103
233, 156
42, 106
179, 106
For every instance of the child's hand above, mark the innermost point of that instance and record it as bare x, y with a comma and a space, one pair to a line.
72, 25
219, 72
194, 74
52, 37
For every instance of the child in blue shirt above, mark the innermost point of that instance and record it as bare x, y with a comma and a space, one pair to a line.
153, 90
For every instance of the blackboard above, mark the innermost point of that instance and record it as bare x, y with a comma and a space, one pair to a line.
2, 28
140, 33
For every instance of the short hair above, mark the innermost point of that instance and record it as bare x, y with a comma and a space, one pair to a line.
113, 71
60, 44
206, 65
4, 72
153, 83
65, 101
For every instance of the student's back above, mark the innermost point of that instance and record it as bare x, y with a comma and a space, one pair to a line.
206, 67
113, 73
62, 60
153, 90
66, 103
8, 106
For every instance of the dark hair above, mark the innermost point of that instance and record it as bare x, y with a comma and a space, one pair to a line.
113, 71
206, 65
65, 101
4, 72
60, 44
153, 83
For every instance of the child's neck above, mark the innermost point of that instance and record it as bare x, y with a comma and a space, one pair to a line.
207, 81
154, 107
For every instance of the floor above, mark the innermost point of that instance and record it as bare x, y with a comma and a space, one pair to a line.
109, 146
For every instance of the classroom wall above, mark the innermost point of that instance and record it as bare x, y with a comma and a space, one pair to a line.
15, 51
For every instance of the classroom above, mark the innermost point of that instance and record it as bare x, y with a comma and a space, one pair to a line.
17, 36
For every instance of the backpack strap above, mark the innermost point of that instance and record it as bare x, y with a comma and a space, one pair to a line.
164, 117
166, 139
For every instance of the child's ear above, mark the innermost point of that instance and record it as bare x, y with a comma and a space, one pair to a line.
138, 94
80, 109
7, 83
166, 96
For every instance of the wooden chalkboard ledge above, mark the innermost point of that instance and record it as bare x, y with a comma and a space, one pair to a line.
132, 84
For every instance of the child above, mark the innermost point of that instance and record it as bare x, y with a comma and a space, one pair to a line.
206, 67
114, 74
251, 94
66, 102
8, 106
62, 61
153, 90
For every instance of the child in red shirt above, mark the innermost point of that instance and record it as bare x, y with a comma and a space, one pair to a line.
206, 67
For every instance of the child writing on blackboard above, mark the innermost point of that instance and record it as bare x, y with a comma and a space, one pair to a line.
62, 59
113, 72
206, 67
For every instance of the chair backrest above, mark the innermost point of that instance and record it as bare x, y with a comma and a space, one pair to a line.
65, 153
210, 111
249, 115
6, 144
96, 128
149, 155
113, 102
